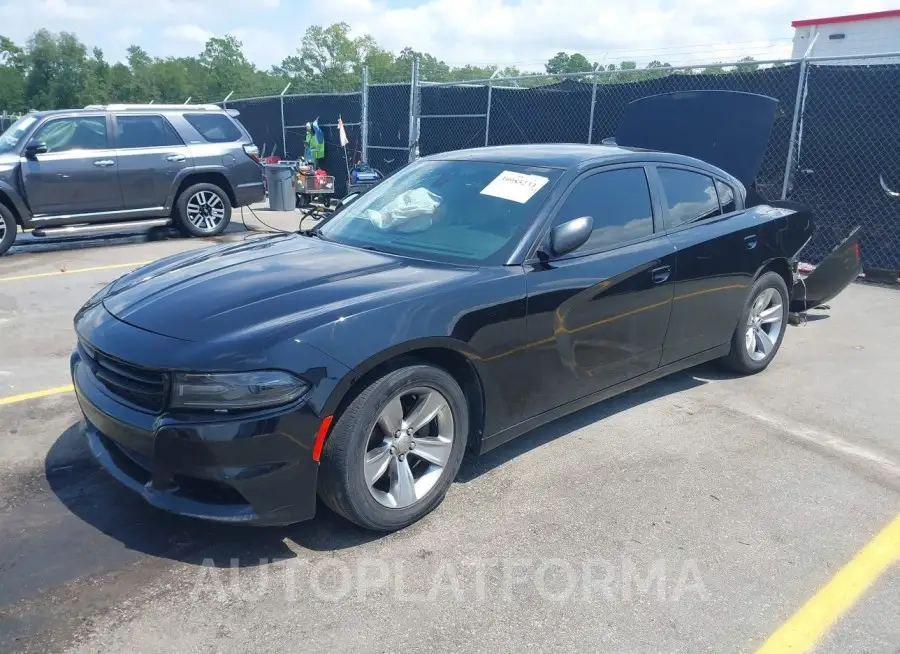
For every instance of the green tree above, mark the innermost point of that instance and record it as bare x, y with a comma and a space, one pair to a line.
12, 76
714, 70
143, 87
328, 59
562, 63
59, 72
226, 69
748, 67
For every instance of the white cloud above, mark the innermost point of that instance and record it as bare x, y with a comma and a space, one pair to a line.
192, 34
526, 32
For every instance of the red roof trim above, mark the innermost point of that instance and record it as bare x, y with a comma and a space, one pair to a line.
852, 18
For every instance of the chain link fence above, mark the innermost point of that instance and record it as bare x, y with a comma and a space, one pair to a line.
834, 146
846, 162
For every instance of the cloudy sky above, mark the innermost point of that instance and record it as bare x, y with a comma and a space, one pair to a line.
525, 32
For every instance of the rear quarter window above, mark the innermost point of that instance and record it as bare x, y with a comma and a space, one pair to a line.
215, 128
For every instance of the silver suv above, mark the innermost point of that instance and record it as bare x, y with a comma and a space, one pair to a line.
117, 167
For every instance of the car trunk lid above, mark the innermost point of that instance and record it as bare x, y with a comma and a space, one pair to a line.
728, 129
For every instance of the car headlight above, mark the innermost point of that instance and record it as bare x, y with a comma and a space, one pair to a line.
240, 390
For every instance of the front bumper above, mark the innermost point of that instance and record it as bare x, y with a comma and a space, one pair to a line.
244, 469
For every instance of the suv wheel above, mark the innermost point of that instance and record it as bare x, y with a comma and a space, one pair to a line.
7, 228
203, 210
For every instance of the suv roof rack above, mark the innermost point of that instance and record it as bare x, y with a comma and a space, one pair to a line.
144, 107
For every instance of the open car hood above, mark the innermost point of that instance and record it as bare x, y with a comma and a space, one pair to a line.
728, 129
830, 277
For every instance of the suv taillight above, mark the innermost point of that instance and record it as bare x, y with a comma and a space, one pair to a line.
252, 152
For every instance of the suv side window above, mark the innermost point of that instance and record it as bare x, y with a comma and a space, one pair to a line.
76, 133
145, 132
619, 203
214, 128
690, 196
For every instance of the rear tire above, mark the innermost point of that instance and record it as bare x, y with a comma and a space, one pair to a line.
761, 328
372, 457
8, 228
203, 210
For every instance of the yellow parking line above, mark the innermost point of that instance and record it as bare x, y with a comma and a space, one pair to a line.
12, 399
809, 624
74, 270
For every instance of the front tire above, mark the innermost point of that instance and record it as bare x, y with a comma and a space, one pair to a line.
762, 325
8, 229
203, 210
395, 449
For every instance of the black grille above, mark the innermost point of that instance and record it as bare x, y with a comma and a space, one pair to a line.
138, 386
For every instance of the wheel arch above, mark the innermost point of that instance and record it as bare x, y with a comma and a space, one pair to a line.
216, 178
12, 203
781, 267
445, 353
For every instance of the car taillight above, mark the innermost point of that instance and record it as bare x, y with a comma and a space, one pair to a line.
856, 249
252, 152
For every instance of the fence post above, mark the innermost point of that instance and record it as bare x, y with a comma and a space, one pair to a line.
283, 130
593, 104
225, 101
364, 118
487, 114
413, 110
795, 123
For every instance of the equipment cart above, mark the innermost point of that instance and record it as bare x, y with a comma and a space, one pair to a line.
314, 187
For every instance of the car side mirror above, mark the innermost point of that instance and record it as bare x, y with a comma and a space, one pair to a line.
571, 235
35, 148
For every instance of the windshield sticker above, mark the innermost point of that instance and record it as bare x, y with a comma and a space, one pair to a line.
516, 187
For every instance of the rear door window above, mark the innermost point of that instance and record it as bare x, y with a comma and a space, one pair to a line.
690, 196
215, 128
145, 132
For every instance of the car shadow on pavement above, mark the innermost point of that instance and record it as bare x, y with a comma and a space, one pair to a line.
94, 497
474, 467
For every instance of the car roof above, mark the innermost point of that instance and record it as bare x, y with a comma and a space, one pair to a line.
132, 108
573, 156
547, 155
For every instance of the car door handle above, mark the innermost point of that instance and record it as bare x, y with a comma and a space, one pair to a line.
750, 241
104, 163
176, 157
661, 274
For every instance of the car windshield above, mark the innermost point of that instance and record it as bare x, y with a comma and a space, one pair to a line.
14, 134
471, 212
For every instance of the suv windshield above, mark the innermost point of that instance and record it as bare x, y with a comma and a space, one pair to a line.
470, 212
14, 134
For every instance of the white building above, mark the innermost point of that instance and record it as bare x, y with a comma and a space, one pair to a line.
857, 34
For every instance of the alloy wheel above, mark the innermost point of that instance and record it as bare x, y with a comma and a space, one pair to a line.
205, 210
409, 447
764, 324
2, 228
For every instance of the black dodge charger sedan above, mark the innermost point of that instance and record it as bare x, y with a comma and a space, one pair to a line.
465, 300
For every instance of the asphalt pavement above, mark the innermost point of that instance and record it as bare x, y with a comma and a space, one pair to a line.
702, 512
